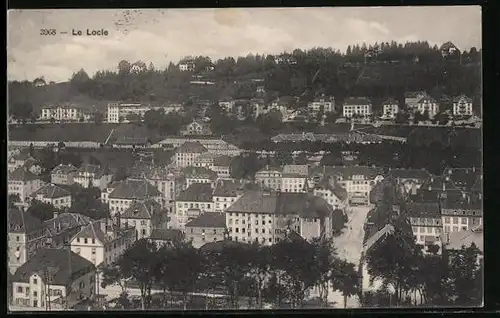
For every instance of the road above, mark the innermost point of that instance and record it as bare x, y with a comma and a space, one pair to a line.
349, 246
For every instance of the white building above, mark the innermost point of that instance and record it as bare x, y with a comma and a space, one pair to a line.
462, 106
187, 153
425, 219
327, 104
196, 128
222, 166
429, 105
65, 113
226, 192
118, 112
92, 176
335, 196
164, 180
23, 183
143, 216
187, 66
389, 109
196, 199
216, 146
63, 174
361, 106
52, 194
412, 98
270, 178
120, 195
227, 104
199, 175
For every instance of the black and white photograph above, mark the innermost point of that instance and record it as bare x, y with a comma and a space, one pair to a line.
244, 159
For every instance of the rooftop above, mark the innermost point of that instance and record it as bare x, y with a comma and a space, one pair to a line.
64, 169
59, 264
199, 172
423, 209
228, 188
65, 221
357, 101
209, 219
22, 222
134, 189
420, 174
142, 210
51, 191
192, 147
102, 230
22, 174
173, 235
196, 192
222, 161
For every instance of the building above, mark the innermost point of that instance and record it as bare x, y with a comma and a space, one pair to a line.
25, 236
226, 192
461, 214
19, 160
144, 216
118, 112
293, 181
222, 165
187, 66
389, 109
164, 180
205, 160
208, 227
412, 98
333, 194
169, 237
216, 146
190, 203
65, 113
187, 153
357, 106
454, 241
410, 179
63, 227
264, 217
63, 174
429, 105
326, 104
196, 128
89, 175
270, 178
199, 175
54, 279
448, 49
463, 178
122, 194
227, 104
462, 106
23, 183
51, 194
102, 242
425, 219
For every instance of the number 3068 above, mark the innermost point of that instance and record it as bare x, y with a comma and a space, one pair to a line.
47, 32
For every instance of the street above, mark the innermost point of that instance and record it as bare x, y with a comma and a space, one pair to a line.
349, 246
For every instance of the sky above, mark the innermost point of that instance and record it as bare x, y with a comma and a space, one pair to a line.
161, 36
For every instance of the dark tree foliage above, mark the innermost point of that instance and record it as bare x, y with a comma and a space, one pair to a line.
41, 210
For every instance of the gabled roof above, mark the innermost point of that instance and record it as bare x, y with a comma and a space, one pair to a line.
58, 263
65, 221
22, 222
173, 235
91, 169
426, 100
96, 229
447, 45
420, 174
198, 172
22, 174
415, 94
438, 183
423, 209
63, 169
463, 178
462, 97
192, 147
134, 189
196, 192
51, 191
142, 210
228, 188
357, 101
209, 219
390, 101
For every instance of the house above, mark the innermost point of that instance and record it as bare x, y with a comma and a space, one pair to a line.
410, 179
196, 128
196, 199
461, 214
226, 192
89, 175
448, 49
102, 242
205, 160
63, 227
23, 183
208, 227
425, 219
463, 178
54, 279
124, 193
412, 98
168, 237
301, 170
144, 216
51, 194
222, 166
199, 175
187, 66
264, 217
133, 142
462, 106
18, 160
270, 178
455, 240
118, 111
294, 178
25, 235
68, 112
429, 105
326, 104
227, 104
357, 106
390, 108
333, 194
63, 174
187, 153
163, 179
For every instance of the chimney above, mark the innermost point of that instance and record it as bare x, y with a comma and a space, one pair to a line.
444, 186
414, 189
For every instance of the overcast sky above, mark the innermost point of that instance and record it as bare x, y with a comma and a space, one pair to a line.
161, 36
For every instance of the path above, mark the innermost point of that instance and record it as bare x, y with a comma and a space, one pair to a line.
349, 246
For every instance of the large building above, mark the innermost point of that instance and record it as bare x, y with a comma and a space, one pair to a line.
462, 106
265, 216
89, 175
427, 105
187, 153
195, 200
326, 104
164, 180
412, 98
51, 194
196, 128
54, 279
208, 227
118, 112
425, 219
63, 174
389, 109
66, 113
144, 216
357, 106
226, 192
199, 175
23, 183
120, 195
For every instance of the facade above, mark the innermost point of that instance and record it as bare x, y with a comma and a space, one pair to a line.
205, 160
208, 227
226, 192
164, 180
195, 200
23, 183
335, 196
187, 66
18, 160
54, 279
168, 237
327, 104
120, 195
462, 106
227, 104
270, 178
353, 106
196, 128
54, 195
63, 174
412, 98
144, 217
92, 176
428, 104
222, 166
409, 179
102, 242
389, 109
64, 113
118, 112
460, 216
187, 153
427, 227
213, 145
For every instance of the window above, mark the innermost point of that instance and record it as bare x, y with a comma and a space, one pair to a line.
464, 220
414, 229
429, 229
85, 241
256, 230
35, 281
143, 232
93, 250
243, 230
237, 230
214, 231
455, 220
93, 240
19, 289
17, 238
263, 230
78, 240
464, 228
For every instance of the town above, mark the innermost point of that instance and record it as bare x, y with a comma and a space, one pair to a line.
238, 196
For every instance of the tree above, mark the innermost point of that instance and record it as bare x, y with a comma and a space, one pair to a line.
260, 268
124, 67
401, 118
138, 263
13, 199
270, 123
284, 157
41, 210
324, 260
244, 167
98, 118
465, 272
132, 117
346, 279
111, 274
21, 110
87, 201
